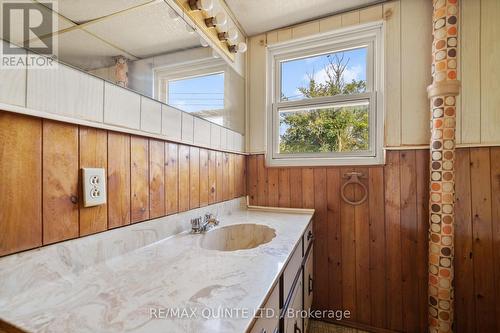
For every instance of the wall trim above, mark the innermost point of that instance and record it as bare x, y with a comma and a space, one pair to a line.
51, 116
458, 145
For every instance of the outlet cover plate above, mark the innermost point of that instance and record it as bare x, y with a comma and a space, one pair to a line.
94, 186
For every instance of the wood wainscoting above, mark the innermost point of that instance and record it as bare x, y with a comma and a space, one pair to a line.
40, 197
371, 259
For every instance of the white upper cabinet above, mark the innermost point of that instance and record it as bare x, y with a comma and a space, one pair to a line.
223, 138
214, 136
121, 107
171, 122
187, 128
201, 132
65, 91
150, 115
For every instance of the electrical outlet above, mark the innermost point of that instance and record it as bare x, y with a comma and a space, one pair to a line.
94, 186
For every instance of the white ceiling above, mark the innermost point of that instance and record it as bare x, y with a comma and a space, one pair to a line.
80, 11
83, 50
146, 31
258, 16
98, 30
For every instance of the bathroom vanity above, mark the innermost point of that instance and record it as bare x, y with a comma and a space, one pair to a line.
159, 277
292, 295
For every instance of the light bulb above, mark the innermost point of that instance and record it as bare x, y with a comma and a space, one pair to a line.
205, 5
231, 35
242, 47
238, 48
203, 42
218, 20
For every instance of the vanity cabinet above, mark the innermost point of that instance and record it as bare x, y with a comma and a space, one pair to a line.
298, 280
269, 324
308, 285
308, 237
292, 297
292, 269
292, 318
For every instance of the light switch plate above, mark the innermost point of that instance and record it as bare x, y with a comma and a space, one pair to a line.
94, 186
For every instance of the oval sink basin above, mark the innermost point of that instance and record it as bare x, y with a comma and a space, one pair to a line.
237, 237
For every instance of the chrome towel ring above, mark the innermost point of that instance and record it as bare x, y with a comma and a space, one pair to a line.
353, 178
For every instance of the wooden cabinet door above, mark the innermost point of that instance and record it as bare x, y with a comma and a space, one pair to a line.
308, 285
291, 269
268, 322
293, 321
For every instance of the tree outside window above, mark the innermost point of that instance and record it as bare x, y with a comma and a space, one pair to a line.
334, 128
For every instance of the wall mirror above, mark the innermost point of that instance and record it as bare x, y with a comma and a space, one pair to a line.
147, 47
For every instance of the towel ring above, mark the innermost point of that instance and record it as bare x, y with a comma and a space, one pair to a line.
353, 178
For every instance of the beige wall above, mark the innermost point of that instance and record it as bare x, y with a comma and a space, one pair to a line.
408, 38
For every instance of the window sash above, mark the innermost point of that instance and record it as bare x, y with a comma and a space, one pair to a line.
328, 49
337, 100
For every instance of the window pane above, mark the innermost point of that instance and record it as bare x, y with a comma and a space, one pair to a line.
200, 94
332, 128
340, 73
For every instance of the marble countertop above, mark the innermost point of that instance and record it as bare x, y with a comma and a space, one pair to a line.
53, 289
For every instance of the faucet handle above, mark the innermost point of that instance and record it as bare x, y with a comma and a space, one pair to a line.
211, 217
196, 223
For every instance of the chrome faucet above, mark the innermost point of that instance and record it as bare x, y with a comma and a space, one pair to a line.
203, 224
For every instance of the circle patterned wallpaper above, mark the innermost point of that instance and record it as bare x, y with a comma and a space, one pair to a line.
442, 185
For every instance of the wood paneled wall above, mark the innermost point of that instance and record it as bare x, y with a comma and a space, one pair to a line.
407, 73
371, 259
40, 162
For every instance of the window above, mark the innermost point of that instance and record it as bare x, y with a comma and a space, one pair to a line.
195, 86
324, 99
197, 94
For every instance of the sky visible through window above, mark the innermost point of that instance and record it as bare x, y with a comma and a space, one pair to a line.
198, 93
295, 73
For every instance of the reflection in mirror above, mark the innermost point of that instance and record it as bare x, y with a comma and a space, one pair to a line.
145, 46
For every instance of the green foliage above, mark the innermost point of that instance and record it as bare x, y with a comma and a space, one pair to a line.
334, 129
325, 130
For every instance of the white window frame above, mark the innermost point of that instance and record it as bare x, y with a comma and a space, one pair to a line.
366, 35
187, 70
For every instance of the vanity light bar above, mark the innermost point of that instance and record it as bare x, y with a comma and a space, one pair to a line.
219, 22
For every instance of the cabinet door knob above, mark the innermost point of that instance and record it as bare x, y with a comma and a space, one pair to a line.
310, 235
310, 285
